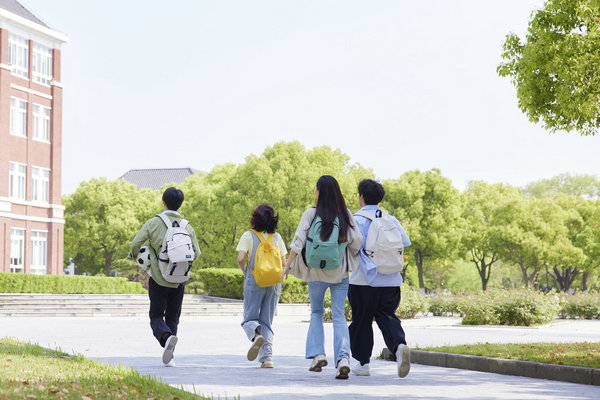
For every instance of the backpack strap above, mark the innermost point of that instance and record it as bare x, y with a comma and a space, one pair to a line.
261, 237
378, 214
165, 219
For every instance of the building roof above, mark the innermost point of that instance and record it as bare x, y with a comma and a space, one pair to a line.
156, 178
17, 8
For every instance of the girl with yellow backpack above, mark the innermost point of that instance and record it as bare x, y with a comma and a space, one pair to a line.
261, 255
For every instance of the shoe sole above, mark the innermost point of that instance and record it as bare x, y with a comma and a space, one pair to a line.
343, 372
255, 348
404, 366
361, 373
319, 366
266, 365
169, 349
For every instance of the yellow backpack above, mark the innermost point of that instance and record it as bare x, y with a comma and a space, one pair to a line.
265, 260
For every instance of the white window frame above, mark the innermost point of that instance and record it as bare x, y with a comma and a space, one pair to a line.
18, 117
39, 252
41, 122
41, 65
17, 180
17, 249
40, 184
18, 55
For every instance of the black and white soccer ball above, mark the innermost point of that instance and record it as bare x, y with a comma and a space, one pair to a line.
143, 257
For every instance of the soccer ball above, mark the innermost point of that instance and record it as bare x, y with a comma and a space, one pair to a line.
143, 257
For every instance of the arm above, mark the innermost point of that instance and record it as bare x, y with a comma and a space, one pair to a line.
138, 241
286, 268
241, 260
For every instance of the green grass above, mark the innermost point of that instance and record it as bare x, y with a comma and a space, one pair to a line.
32, 372
583, 354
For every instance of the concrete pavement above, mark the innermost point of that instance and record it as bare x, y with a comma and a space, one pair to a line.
211, 358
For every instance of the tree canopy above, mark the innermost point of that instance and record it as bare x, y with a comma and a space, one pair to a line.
556, 67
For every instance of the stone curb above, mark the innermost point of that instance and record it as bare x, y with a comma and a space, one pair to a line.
529, 369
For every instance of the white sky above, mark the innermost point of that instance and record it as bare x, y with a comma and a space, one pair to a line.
396, 85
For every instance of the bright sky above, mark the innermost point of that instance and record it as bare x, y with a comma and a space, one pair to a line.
396, 85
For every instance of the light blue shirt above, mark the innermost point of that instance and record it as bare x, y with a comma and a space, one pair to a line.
366, 272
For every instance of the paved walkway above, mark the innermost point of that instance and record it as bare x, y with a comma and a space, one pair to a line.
211, 358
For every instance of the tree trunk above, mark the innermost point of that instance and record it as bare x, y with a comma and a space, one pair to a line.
584, 281
107, 262
565, 277
484, 269
419, 263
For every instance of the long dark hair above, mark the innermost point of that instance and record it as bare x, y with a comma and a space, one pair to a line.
264, 219
331, 204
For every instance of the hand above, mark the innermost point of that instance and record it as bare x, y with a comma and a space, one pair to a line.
285, 272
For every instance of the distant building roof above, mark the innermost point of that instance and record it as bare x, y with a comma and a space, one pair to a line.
156, 178
15, 7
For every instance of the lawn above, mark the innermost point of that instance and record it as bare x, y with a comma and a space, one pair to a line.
32, 372
583, 354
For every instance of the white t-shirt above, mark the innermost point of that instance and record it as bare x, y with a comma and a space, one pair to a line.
246, 243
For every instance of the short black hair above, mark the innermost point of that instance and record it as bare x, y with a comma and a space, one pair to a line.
371, 191
173, 198
264, 219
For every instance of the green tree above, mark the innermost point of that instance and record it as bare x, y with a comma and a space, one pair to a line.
555, 69
428, 207
480, 202
584, 186
587, 237
284, 176
101, 219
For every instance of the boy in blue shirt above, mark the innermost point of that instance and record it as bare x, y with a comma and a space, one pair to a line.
375, 295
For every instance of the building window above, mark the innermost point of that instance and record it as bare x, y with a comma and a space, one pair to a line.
18, 117
18, 55
40, 184
17, 180
41, 123
17, 249
39, 252
41, 66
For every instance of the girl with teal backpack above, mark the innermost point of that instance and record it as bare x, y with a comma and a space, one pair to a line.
261, 255
323, 251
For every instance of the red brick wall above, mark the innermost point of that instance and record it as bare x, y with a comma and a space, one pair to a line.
32, 153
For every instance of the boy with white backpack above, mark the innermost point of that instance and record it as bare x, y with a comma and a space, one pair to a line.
374, 290
173, 247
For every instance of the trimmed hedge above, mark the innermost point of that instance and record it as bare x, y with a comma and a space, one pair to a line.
229, 283
67, 284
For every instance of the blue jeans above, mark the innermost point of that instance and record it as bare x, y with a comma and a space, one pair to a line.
259, 308
316, 335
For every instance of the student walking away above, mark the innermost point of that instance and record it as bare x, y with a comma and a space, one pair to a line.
374, 290
173, 246
322, 252
261, 256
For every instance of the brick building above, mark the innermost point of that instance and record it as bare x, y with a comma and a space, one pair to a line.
31, 214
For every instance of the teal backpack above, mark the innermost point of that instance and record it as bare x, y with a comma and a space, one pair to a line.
324, 255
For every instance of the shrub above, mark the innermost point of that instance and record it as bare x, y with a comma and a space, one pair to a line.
294, 290
412, 303
444, 305
67, 284
229, 283
586, 306
503, 307
222, 282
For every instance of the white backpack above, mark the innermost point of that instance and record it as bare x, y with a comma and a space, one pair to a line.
177, 252
384, 242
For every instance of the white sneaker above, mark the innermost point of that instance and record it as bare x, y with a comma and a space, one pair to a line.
169, 349
343, 369
318, 362
403, 358
361, 370
255, 348
170, 364
268, 363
